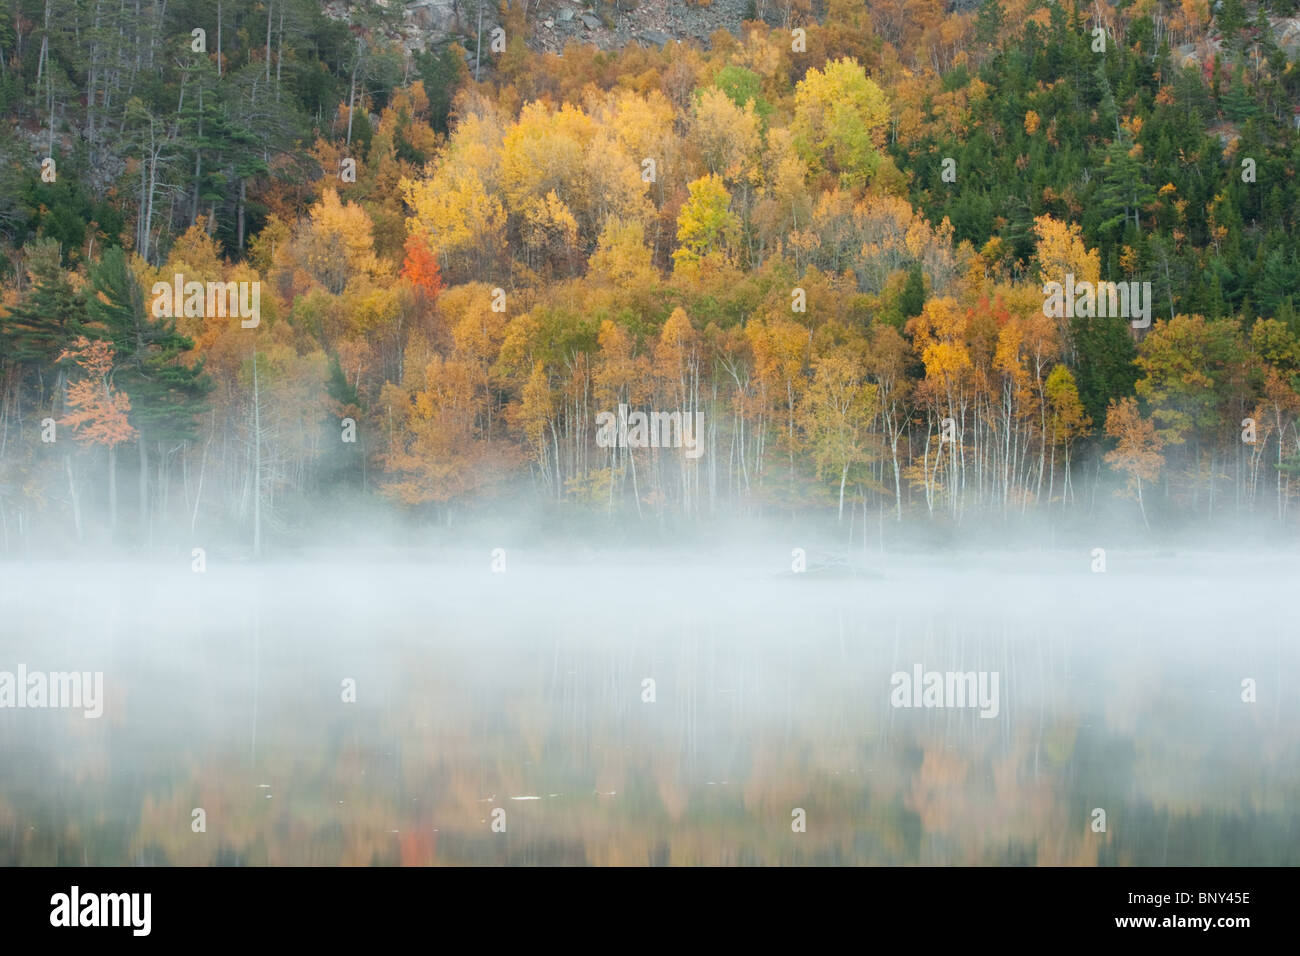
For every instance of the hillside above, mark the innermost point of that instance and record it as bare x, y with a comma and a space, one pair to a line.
1019, 267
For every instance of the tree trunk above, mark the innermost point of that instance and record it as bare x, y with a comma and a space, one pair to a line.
112, 492
76, 500
279, 52
144, 485
352, 91
478, 49
844, 474
243, 192
257, 463
270, 6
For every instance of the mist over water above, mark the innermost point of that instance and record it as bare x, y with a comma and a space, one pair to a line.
525, 691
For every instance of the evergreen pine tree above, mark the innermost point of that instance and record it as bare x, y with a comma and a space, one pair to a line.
166, 394
35, 332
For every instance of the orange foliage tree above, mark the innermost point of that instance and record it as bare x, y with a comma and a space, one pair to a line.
97, 413
1138, 451
420, 268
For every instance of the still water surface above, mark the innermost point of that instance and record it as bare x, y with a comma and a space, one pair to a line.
526, 692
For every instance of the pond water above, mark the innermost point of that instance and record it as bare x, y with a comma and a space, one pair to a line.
643, 708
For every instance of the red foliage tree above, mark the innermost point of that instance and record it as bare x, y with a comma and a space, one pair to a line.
420, 267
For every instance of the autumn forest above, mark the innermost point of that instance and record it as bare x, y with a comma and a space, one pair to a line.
824, 235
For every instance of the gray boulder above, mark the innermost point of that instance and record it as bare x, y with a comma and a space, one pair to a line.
434, 16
